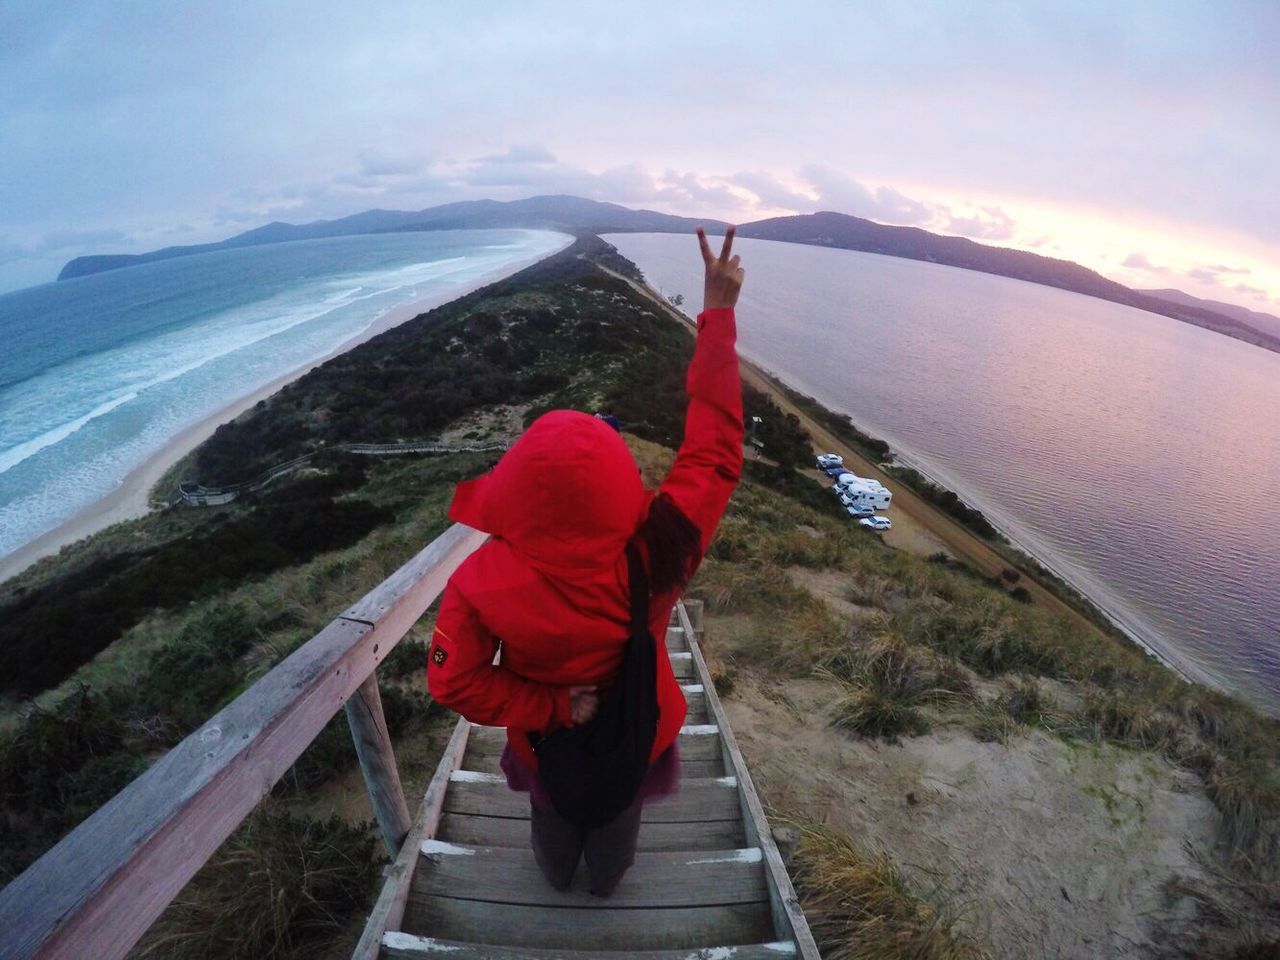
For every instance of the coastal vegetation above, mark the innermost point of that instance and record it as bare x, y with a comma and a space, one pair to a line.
905, 645
860, 906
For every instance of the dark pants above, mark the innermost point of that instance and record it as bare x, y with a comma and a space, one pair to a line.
609, 850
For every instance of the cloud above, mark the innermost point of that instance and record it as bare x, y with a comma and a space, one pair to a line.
1216, 273
772, 192
1139, 261
519, 155
379, 162
68, 239
985, 223
840, 192
1257, 293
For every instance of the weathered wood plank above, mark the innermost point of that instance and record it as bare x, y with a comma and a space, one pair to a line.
405, 946
504, 875
693, 609
697, 800
682, 667
96, 892
701, 745
509, 832
591, 930
489, 763
788, 917
399, 601
378, 763
388, 912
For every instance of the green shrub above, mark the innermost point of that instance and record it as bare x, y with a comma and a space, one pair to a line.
56, 768
406, 658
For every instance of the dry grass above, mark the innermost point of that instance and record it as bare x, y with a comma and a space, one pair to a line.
278, 889
860, 907
886, 682
944, 614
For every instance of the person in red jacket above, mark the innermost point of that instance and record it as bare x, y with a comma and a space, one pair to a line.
549, 588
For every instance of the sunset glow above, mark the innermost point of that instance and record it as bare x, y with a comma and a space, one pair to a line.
1138, 140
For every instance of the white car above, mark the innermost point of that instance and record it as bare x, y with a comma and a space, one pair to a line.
876, 523
826, 460
858, 510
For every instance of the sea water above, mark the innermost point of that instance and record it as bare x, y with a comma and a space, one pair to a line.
99, 373
1137, 456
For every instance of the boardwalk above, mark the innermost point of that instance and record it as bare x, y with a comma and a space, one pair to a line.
707, 880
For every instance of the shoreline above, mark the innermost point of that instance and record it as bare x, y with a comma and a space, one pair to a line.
928, 528
1119, 623
131, 499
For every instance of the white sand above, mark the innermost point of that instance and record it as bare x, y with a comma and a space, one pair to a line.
132, 498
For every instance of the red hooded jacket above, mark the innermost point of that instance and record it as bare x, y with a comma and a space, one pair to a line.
549, 587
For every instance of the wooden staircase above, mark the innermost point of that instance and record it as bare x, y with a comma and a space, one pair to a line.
708, 881
707, 884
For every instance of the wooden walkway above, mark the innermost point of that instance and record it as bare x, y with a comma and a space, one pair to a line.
707, 883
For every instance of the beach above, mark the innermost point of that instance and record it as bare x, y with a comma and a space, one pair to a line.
131, 499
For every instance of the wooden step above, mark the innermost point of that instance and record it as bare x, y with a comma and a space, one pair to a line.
406, 946
696, 742
487, 795
670, 879
591, 930
511, 832
682, 667
675, 640
689, 769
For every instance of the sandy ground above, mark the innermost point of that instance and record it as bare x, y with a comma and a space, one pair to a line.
131, 498
1045, 848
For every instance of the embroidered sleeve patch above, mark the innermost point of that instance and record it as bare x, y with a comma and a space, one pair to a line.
439, 655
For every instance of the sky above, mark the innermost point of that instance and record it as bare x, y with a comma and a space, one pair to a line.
1137, 138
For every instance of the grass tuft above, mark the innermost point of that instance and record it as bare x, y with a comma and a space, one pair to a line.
886, 682
860, 907
279, 888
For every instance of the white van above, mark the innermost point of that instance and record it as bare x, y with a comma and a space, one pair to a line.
864, 492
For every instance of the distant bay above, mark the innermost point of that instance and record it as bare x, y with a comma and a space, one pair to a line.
99, 373
1137, 456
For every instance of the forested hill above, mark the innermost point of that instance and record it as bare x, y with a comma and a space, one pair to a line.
571, 214
839, 230
583, 217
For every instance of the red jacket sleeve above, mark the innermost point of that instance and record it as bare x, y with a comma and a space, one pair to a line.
461, 675
709, 464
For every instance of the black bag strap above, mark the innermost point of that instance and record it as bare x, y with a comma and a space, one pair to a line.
639, 580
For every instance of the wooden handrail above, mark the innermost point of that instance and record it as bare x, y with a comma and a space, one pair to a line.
788, 916
97, 891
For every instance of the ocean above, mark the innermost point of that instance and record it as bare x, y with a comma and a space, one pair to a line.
99, 373
1136, 456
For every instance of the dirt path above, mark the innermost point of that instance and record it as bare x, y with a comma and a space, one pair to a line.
918, 527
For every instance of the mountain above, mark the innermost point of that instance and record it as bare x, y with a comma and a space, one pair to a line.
840, 230
571, 214
828, 229
1266, 322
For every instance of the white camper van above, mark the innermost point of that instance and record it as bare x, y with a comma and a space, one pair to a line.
863, 492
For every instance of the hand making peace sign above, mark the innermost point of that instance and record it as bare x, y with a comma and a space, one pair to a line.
724, 276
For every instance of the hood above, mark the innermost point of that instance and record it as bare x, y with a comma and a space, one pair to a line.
567, 496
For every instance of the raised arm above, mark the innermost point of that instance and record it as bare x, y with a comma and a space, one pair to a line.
709, 463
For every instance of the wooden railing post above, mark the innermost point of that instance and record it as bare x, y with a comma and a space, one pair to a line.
378, 763
694, 609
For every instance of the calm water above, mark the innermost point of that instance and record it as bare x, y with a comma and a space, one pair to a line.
100, 372
1137, 456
